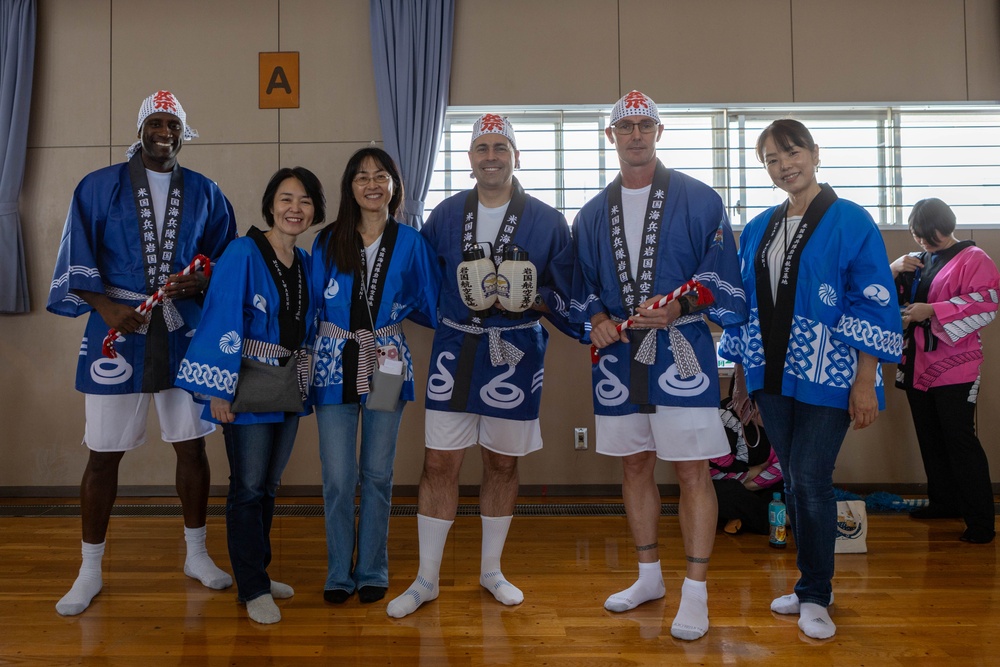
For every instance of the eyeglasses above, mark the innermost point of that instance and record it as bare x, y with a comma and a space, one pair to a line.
645, 127
381, 178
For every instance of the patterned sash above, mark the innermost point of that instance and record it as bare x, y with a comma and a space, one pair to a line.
365, 338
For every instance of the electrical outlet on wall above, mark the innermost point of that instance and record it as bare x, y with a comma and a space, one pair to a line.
580, 438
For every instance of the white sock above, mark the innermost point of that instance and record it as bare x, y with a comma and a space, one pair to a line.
490, 577
432, 533
789, 604
691, 621
280, 591
263, 610
88, 582
815, 621
199, 565
649, 586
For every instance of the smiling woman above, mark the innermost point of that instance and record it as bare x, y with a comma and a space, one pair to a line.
839, 297
258, 317
372, 273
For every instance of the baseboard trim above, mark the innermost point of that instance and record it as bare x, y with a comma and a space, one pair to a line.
410, 490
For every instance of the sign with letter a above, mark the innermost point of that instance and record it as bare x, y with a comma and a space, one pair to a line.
279, 80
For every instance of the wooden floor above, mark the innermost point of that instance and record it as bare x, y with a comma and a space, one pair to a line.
919, 597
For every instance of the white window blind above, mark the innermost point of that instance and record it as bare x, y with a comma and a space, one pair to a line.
883, 158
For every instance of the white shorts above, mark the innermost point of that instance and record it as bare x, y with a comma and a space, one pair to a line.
117, 422
675, 434
459, 430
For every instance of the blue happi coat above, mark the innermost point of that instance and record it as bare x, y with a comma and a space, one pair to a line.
844, 302
411, 283
505, 391
101, 246
695, 241
242, 304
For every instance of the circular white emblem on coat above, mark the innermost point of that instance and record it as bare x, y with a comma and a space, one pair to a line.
260, 303
331, 289
827, 294
230, 343
672, 383
110, 371
877, 293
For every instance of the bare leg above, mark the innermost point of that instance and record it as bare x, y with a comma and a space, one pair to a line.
698, 511
642, 504
498, 494
98, 491
193, 477
438, 494
642, 508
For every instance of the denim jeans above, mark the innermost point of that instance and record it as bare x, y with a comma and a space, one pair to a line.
807, 439
343, 470
258, 454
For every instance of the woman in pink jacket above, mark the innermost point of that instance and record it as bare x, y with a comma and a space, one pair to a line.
948, 293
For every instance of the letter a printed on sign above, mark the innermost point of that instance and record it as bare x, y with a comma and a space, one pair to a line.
279, 80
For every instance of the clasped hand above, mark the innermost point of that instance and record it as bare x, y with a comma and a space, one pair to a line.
604, 331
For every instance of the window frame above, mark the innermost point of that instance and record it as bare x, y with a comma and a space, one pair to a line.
733, 159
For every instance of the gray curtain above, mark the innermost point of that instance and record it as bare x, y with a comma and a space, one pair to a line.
411, 51
17, 59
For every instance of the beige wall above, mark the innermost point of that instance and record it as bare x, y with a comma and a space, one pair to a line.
97, 59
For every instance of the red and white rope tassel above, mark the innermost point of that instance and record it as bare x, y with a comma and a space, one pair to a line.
199, 262
704, 298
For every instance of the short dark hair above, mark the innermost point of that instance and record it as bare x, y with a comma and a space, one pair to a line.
931, 217
786, 133
308, 180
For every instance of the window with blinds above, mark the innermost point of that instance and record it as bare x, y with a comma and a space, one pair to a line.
883, 158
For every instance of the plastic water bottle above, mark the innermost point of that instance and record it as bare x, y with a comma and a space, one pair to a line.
776, 518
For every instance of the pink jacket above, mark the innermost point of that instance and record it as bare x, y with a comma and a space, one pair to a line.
964, 297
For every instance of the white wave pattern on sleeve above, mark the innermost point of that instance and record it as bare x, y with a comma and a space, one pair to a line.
86, 271
714, 278
970, 324
582, 305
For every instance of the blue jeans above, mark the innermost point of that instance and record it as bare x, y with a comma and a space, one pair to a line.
807, 439
258, 454
342, 471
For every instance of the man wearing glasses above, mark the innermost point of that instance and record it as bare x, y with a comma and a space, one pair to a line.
656, 391
485, 380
